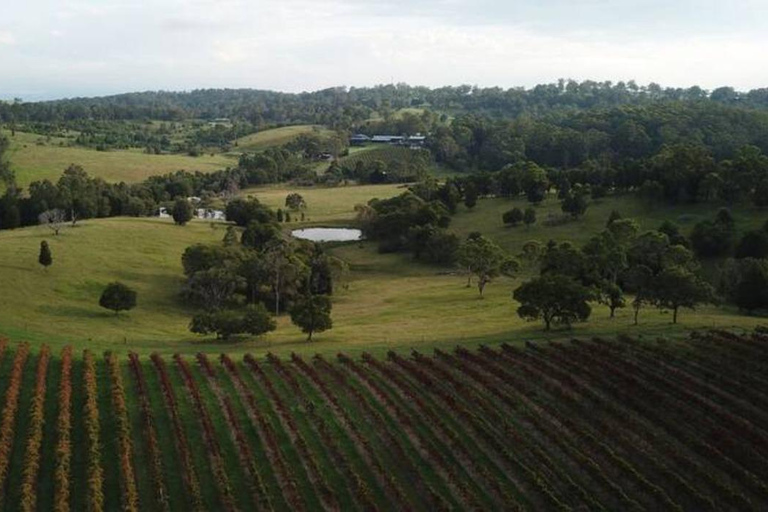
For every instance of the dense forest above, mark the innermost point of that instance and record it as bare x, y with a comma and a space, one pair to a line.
341, 106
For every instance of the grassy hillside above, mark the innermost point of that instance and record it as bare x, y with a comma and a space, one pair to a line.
276, 137
487, 218
386, 301
325, 205
35, 158
587, 425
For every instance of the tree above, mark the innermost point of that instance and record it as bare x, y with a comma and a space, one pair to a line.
230, 237
612, 296
118, 297
712, 238
745, 283
254, 320
754, 244
45, 258
513, 217
529, 217
554, 299
295, 201
258, 235
213, 288
574, 203
486, 260
54, 219
470, 196
677, 287
312, 313
182, 212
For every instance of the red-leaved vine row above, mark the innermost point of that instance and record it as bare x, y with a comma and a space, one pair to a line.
436, 419
268, 438
574, 362
244, 452
406, 465
150, 434
446, 470
130, 495
483, 431
8, 420
653, 400
362, 494
391, 486
95, 484
61, 474
221, 480
191, 481
31, 468
307, 458
605, 416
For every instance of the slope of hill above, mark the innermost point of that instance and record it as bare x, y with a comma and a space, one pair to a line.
385, 301
33, 158
603, 424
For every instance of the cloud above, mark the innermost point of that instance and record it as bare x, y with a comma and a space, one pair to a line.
107, 46
7, 39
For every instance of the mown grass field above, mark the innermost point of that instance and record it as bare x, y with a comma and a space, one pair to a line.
276, 137
325, 205
385, 302
32, 161
603, 424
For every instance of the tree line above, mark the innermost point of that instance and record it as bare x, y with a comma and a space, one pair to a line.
344, 107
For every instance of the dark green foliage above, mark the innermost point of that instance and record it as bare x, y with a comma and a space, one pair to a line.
244, 211
230, 237
213, 289
554, 299
529, 217
254, 320
575, 204
677, 287
470, 196
485, 260
754, 244
514, 216
404, 222
744, 282
614, 216
182, 212
45, 258
280, 216
257, 235
672, 231
714, 238
312, 313
295, 201
201, 257
118, 297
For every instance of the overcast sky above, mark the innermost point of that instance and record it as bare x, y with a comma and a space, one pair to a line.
60, 48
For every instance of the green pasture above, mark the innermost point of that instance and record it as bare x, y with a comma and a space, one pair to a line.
385, 302
34, 157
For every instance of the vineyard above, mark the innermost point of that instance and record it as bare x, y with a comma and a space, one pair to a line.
589, 425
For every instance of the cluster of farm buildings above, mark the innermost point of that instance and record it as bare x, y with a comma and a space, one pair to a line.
413, 141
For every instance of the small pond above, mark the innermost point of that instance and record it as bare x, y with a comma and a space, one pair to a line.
328, 234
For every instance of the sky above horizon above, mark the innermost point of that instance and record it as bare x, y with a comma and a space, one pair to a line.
53, 49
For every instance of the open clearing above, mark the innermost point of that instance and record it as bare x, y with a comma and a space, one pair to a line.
387, 301
276, 137
32, 161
